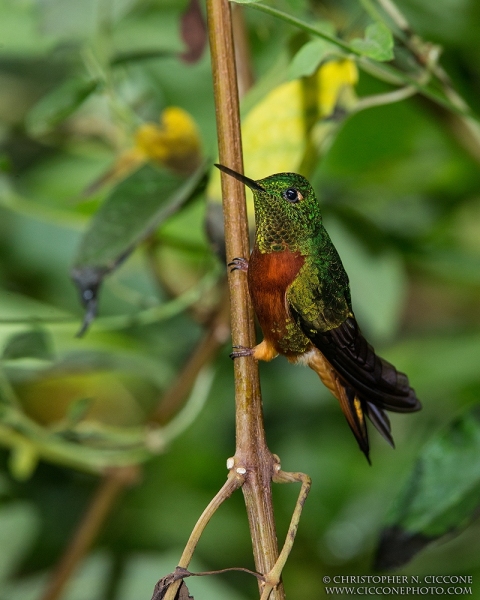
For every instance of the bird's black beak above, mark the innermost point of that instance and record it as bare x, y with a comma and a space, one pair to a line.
251, 183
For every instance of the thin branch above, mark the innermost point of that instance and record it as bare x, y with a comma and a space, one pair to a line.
273, 577
234, 481
465, 128
381, 99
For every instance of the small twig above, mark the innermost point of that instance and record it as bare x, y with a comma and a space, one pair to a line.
273, 577
381, 99
176, 580
112, 485
466, 128
228, 570
396, 16
163, 311
234, 481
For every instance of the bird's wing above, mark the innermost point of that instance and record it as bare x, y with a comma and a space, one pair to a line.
326, 319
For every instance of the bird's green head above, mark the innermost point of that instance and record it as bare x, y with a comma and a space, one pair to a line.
287, 212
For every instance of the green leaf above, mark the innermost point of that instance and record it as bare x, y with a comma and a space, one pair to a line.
441, 496
68, 21
377, 44
59, 104
246, 1
88, 582
307, 60
140, 55
133, 210
19, 525
78, 410
33, 344
377, 281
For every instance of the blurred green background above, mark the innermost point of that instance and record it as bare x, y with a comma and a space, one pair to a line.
400, 190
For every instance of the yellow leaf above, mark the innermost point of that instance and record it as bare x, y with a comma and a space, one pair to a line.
336, 80
274, 131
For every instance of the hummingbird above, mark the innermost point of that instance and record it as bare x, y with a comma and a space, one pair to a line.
301, 296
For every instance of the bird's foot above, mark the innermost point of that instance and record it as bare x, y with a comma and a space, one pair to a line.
238, 264
241, 351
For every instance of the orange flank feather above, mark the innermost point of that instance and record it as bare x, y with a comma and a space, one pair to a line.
269, 276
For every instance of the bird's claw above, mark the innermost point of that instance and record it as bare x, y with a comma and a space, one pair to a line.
241, 351
238, 264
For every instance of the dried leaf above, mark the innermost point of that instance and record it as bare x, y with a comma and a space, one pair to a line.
163, 584
194, 32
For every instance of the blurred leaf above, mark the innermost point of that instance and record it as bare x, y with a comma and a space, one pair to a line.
65, 20
377, 281
132, 211
307, 60
137, 56
33, 344
194, 32
441, 496
78, 410
59, 104
453, 264
19, 524
23, 460
438, 365
88, 583
20, 33
377, 43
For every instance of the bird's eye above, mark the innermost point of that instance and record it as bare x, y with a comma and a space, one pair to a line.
292, 195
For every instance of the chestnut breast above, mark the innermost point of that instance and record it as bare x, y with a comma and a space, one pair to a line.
269, 276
